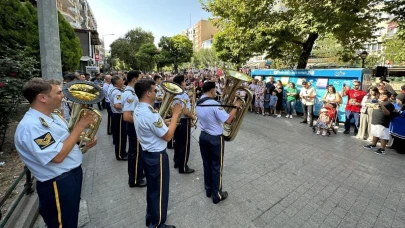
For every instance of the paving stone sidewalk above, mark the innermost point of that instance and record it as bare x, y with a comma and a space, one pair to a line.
277, 173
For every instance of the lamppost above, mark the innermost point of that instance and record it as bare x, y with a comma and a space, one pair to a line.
363, 57
104, 57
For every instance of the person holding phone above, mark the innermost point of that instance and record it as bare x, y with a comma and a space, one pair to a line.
353, 106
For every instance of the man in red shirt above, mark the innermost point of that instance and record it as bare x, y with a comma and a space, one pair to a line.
353, 106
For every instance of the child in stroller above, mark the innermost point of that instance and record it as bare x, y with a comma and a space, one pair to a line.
326, 121
322, 124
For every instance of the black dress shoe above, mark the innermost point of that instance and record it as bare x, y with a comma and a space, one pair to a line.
304, 122
188, 171
208, 194
141, 184
176, 166
170, 226
224, 195
125, 158
346, 132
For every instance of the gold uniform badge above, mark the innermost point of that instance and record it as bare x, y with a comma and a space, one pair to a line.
118, 97
152, 109
130, 100
159, 123
44, 140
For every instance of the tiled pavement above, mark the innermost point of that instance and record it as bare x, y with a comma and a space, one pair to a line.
277, 174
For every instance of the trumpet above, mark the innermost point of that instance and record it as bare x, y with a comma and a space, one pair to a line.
82, 94
172, 89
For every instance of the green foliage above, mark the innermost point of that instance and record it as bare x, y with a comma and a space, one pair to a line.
15, 69
205, 58
292, 29
71, 51
126, 48
145, 57
175, 50
19, 26
395, 50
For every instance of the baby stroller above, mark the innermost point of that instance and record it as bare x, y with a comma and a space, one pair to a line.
333, 123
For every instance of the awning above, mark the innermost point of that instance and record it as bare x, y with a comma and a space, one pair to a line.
85, 58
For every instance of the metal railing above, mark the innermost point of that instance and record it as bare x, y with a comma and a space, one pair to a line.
26, 191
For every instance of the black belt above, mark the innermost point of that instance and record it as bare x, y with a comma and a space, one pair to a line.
155, 152
63, 175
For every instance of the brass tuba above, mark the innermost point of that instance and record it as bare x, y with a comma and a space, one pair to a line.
172, 89
82, 94
233, 83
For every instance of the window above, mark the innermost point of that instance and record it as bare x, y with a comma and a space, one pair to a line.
379, 47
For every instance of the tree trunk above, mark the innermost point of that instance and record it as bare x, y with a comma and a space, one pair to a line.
306, 50
176, 68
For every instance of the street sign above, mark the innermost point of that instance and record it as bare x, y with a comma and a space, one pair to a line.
97, 57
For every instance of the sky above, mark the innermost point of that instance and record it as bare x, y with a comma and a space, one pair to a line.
161, 17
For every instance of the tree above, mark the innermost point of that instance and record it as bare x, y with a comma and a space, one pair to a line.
126, 48
295, 27
145, 57
395, 50
19, 28
234, 45
71, 51
205, 58
176, 50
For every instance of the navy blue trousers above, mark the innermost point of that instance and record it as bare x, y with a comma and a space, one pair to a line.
109, 120
182, 145
135, 164
59, 199
157, 174
212, 153
119, 135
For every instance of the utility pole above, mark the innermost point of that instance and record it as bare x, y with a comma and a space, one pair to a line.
51, 66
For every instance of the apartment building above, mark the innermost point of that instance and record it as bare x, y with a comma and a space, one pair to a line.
202, 32
78, 13
80, 16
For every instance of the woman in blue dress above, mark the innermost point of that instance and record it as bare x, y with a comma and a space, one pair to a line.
397, 126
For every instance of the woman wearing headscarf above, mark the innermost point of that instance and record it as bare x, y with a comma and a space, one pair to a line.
397, 126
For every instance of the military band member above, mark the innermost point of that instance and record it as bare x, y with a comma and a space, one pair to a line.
153, 135
211, 141
106, 86
119, 128
135, 165
159, 96
182, 134
49, 150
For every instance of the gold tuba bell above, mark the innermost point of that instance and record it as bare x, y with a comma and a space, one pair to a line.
172, 89
233, 83
81, 94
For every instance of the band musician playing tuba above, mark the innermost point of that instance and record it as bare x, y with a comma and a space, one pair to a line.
50, 152
211, 118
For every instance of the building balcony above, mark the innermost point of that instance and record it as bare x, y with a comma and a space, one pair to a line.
76, 25
68, 15
74, 10
68, 3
